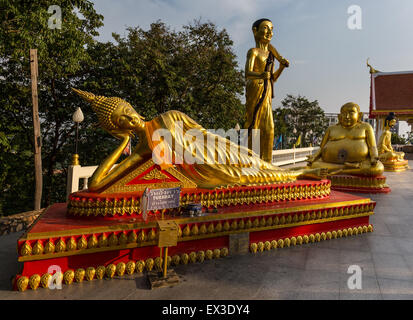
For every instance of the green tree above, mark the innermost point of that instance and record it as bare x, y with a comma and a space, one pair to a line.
297, 115
156, 70
60, 54
396, 139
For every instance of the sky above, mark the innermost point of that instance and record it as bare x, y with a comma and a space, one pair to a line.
327, 58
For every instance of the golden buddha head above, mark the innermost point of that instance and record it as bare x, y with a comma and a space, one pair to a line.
262, 30
114, 114
390, 120
350, 115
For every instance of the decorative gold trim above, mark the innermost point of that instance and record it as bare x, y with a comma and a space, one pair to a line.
155, 174
120, 186
224, 226
120, 269
307, 238
358, 182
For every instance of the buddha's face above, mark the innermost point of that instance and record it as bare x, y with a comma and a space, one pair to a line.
125, 117
349, 116
264, 32
392, 123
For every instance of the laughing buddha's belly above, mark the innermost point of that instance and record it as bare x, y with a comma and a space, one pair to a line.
345, 150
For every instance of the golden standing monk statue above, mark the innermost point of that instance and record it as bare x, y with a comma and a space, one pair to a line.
223, 164
349, 147
260, 77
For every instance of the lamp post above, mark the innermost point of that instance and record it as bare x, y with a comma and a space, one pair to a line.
77, 118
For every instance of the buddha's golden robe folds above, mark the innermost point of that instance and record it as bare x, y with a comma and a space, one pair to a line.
264, 119
216, 161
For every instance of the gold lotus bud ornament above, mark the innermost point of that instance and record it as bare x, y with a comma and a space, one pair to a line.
133, 237
287, 242
44, 281
140, 265
103, 241
34, 281
82, 243
187, 231
293, 241
120, 269
201, 256
152, 235
216, 253
274, 244
68, 276
224, 252
38, 248
241, 224
192, 257
209, 254
100, 272
92, 242
71, 244
90, 273
79, 274
123, 239
158, 263
168, 261
306, 239
26, 249
226, 226
60, 245
253, 247
184, 258
312, 238
113, 240
130, 267
110, 270
203, 229
176, 260
211, 228
22, 283
218, 227
280, 243
267, 245
49, 247
260, 246
194, 230
141, 236
149, 264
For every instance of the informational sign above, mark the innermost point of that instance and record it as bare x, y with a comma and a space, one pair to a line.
158, 199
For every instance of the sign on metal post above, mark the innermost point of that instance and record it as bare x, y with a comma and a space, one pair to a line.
158, 199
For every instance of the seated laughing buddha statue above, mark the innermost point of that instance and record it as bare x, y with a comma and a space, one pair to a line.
237, 166
348, 147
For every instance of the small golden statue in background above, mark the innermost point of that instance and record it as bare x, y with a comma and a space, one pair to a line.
260, 76
392, 160
349, 147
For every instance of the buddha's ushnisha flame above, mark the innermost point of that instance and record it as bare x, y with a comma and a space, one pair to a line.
102, 106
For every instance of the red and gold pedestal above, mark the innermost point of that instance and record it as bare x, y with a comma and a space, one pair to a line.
118, 242
359, 183
396, 166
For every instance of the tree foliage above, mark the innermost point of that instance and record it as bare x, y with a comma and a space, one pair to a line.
296, 116
193, 70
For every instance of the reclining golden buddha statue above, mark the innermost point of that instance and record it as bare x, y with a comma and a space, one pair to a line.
220, 164
348, 147
392, 160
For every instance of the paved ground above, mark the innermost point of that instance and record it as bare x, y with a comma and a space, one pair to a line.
312, 271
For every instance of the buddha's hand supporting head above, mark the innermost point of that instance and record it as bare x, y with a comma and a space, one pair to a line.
350, 115
115, 114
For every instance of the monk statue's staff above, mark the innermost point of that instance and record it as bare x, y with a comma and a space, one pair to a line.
268, 67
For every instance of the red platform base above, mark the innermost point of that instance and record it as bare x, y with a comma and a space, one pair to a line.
84, 248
